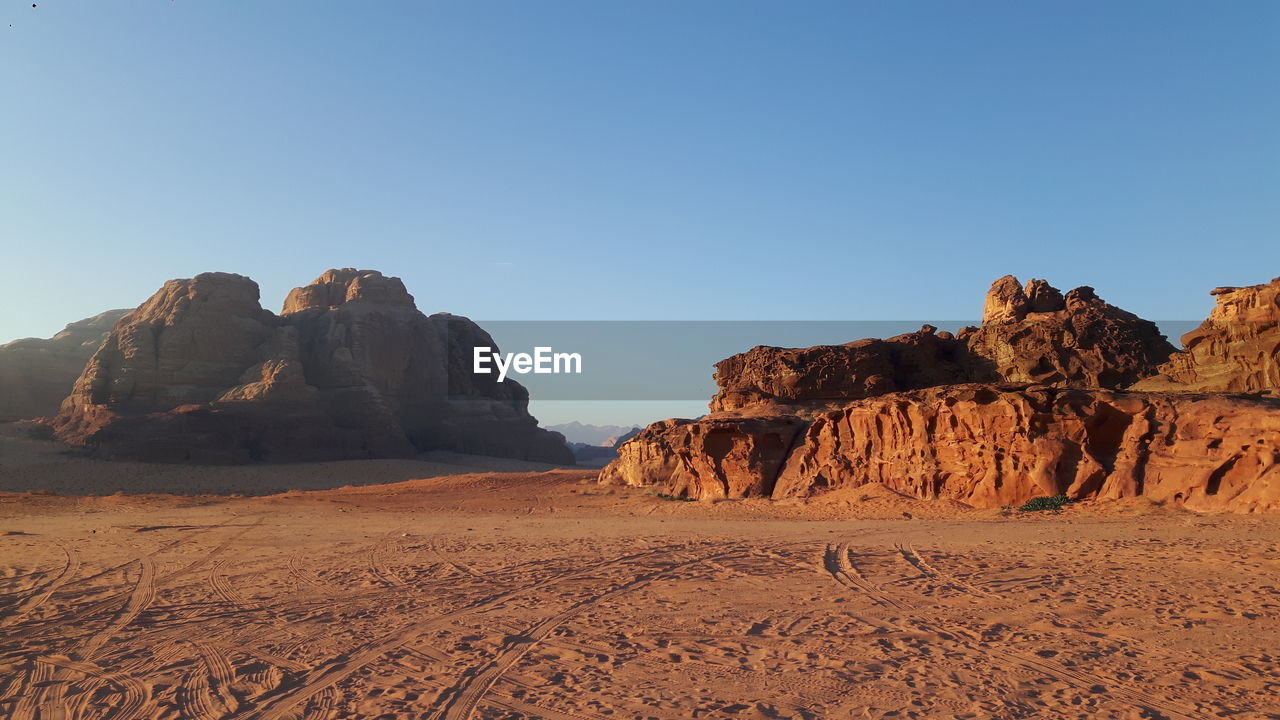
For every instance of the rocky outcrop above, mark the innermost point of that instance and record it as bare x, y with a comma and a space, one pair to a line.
805, 381
37, 374
1028, 334
993, 445
709, 458
1237, 349
1036, 334
1026, 405
201, 373
984, 445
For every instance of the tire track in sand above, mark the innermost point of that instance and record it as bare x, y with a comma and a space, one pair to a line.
279, 704
41, 594
977, 644
97, 606
465, 697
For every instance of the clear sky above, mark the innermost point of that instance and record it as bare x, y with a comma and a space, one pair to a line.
640, 160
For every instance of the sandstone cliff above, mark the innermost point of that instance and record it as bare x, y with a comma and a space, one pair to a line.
992, 445
36, 374
201, 373
985, 445
907, 413
1237, 349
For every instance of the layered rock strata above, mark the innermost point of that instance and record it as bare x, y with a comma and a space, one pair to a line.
1237, 349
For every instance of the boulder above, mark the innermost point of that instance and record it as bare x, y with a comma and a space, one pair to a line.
37, 374
1237, 349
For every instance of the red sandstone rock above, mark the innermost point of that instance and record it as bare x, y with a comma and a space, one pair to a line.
1034, 334
710, 458
335, 288
1237, 349
996, 443
37, 374
1029, 334
983, 445
770, 380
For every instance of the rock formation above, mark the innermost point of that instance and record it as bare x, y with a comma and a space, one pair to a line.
985, 445
723, 457
1237, 349
1028, 334
1003, 444
1027, 405
770, 380
201, 373
1035, 334
36, 374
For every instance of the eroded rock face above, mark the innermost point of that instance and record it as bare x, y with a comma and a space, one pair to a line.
200, 372
37, 374
186, 344
709, 458
1035, 334
993, 445
1030, 333
335, 288
935, 416
805, 381
984, 445
377, 361
1237, 349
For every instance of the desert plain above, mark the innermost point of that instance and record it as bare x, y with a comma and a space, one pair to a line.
443, 592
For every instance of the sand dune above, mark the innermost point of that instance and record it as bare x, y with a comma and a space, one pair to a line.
543, 595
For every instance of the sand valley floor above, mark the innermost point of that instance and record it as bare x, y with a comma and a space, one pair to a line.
543, 595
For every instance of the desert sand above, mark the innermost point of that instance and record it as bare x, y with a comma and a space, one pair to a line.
545, 595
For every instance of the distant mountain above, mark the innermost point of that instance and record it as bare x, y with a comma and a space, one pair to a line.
576, 432
37, 374
600, 455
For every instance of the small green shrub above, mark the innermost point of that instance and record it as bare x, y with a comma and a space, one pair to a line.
1041, 504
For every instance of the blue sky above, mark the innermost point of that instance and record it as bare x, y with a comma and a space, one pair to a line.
640, 160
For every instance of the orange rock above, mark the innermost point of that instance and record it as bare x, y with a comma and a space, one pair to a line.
710, 458
904, 413
1237, 349
984, 445
771, 380
1034, 334
993, 445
